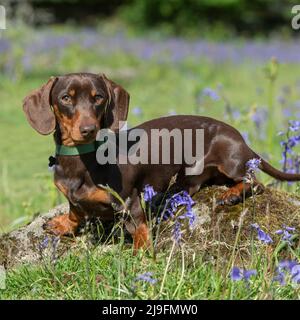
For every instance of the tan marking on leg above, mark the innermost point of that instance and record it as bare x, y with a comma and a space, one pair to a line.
141, 237
98, 195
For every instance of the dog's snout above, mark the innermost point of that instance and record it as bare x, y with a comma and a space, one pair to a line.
87, 130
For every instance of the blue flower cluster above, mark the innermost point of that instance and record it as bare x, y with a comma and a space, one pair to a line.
260, 118
252, 165
212, 94
287, 268
238, 274
287, 233
146, 277
173, 203
290, 160
149, 193
261, 235
45, 243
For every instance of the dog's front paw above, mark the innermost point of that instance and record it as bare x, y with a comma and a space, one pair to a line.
61, 226
230, 200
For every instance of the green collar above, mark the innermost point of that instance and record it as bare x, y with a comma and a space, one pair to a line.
62, 150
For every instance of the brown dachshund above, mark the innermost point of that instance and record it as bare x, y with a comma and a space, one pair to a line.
76, 106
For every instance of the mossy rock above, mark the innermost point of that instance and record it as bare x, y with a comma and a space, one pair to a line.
220, 229
215, 232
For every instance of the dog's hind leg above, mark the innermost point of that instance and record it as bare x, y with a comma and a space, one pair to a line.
241, 187
136, 225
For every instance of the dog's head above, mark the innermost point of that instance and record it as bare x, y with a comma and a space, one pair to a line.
78, 105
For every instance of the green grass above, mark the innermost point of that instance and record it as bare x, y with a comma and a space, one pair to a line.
187, 276
26, 185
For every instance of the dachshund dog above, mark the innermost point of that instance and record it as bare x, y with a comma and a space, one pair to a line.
76, 106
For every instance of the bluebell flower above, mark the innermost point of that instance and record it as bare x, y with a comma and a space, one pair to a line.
137, 111
279, 277
260, 117
238, 274
287, 112
295, 273
252, 165
172, 205
287, 233
261, 235
211, 94
285, 268
249, 273
294, 125
236, 114
44, 243
149, 193
146, 277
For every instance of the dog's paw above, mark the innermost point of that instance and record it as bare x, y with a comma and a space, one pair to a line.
61, 226
229, 200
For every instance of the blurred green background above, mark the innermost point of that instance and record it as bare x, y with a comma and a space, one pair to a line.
234, 60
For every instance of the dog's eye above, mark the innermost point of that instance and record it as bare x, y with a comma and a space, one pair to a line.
98, 99
66, 99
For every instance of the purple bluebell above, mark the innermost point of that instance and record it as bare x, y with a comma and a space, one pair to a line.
146, 277
249, 273
294, 125
149, 193
261, 235
287, 264
279, 277
287, 112
238, 274
260, 117
44, 243
285, 268
295, 273
287, 233
236, 114
212, 94
252, 165
137, 111
172, 205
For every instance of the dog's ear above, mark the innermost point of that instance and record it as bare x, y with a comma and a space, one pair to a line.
38, 110
117, 106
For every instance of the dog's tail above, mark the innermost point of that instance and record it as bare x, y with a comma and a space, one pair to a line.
277, 174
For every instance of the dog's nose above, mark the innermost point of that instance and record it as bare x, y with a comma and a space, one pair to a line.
87, 131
